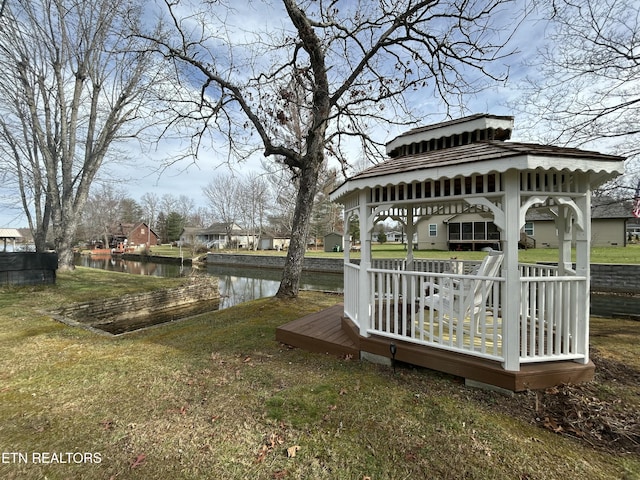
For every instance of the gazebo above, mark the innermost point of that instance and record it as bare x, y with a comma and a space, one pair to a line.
496, 321
9, 234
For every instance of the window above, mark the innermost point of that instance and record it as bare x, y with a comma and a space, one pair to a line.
528, 228
467, 231
433, 230
454, 231
473, 231
479, 231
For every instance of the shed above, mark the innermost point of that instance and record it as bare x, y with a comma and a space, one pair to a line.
333, 242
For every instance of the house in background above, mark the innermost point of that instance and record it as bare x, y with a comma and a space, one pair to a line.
608, 225
141, 234
394, 236
217, 235
188, 236
128, 236
465, 231
475, 231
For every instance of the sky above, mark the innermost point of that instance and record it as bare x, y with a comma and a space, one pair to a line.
142, 172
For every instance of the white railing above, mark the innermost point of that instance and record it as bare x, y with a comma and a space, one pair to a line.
550, 307
427, 265
351, 289
548, 322
400, 310
389, 263
537, 270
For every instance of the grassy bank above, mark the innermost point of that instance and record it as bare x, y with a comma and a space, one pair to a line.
217, 397
628, 254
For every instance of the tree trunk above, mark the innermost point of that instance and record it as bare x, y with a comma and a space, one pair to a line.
65, 255
65, 235
290, 284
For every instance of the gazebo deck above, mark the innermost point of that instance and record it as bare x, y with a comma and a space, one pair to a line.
328, 331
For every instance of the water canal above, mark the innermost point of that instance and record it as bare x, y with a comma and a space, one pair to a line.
236, 284
241, 284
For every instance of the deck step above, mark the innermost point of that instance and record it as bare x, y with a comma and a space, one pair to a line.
319, 332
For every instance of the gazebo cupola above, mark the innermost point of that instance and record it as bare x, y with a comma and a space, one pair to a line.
497, 310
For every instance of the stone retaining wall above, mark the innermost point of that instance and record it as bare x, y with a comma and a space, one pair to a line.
331, 265
146, 306
616, 278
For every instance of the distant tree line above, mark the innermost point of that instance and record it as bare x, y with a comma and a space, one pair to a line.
258, 202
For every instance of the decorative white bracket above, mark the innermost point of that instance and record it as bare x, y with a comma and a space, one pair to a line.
371, 222
577, 213
524, 208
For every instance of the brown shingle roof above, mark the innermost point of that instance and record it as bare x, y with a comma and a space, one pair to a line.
601, 207
475, 152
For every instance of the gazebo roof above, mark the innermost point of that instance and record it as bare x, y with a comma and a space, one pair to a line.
10, 233
481, 158
500, 126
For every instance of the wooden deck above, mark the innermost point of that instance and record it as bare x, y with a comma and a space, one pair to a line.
319, 332
328, 331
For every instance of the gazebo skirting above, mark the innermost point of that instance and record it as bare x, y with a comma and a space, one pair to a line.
458, 337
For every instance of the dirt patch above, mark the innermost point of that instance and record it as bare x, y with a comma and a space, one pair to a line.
593, 413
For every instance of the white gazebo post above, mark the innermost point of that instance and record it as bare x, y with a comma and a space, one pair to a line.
410, 228
563, 226
583, 259
510, 271
366, 227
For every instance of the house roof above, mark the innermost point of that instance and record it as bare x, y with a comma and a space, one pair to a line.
190, 230
481, 158
131, 227
220, 227
601, 207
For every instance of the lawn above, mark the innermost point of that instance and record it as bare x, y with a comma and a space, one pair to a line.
628, 254
217, 397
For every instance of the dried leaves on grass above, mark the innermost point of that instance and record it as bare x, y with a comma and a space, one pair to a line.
591, 412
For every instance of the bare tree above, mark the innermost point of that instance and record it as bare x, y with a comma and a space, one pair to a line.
356, 65
103, 212
283, 193
185, 207
223, 194
150, 206
74, 81
253, 201
586, 86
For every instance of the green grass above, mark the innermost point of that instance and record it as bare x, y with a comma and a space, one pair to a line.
628, 254
217, 397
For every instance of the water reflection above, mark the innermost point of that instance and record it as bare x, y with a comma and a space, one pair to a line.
117, 264
237, 284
